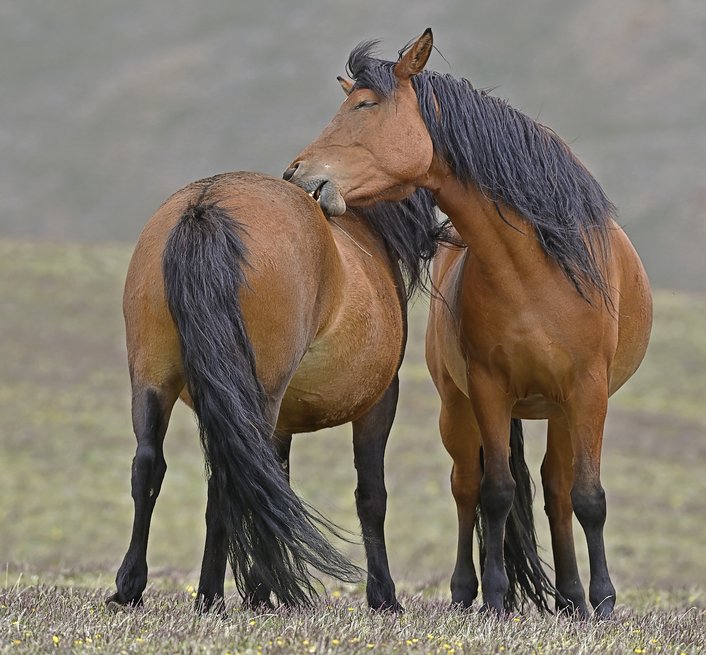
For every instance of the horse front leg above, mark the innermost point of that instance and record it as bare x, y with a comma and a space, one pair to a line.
586, 417
557, 481
370, 434
459, 434
497, 488
151, 408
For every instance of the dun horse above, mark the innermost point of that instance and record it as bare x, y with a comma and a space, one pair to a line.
544, 314
269, 320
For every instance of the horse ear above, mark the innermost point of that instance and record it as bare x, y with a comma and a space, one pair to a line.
414, 60
346, 85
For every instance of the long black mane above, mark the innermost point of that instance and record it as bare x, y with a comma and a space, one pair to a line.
513, 160
411, 232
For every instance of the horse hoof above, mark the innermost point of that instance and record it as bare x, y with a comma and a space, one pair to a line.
493, 610
604, 610
388, 608
215, 605
571, 609
258, 605
461, 605
116, 604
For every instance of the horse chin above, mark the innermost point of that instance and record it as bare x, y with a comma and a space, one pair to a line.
330, 200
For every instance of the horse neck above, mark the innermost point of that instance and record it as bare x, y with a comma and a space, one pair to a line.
502, 242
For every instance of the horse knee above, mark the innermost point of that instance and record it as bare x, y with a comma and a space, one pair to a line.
464, 488
371, 505
497, 495
589, 504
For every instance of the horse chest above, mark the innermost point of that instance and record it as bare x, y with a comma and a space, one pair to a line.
528, 360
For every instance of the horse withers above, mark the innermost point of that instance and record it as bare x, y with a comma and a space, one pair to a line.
544, 313
268, 320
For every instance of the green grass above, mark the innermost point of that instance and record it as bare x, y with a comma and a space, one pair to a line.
66, 447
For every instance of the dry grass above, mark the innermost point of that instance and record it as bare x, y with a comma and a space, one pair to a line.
48, 618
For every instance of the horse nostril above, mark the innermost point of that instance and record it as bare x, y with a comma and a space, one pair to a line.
287, 175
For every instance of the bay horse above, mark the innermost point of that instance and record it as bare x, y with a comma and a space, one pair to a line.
268, 320
543, 314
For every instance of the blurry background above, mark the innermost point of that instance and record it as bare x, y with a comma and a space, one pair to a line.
107, 108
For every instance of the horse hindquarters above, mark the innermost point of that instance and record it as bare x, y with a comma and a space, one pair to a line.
271, 536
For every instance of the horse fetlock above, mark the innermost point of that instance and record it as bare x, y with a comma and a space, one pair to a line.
572, 600
382, 598
463, 593
130, 582
497, 496
602, 596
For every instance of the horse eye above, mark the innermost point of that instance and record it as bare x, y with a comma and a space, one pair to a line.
364, 104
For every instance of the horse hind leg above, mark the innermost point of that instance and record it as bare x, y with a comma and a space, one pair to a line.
151, 408
557, 480
370, 434
586, 417
210, 594
258, 594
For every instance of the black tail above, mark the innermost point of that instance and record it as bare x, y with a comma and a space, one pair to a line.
273, 538
524, 567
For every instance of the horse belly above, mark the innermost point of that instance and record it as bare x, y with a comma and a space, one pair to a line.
336, 383
634, 312
443, 347
355, 356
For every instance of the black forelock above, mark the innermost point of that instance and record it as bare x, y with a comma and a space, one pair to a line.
368, 72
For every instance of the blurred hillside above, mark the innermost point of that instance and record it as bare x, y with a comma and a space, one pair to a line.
107, 108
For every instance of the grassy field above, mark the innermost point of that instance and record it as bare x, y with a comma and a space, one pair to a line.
65, 506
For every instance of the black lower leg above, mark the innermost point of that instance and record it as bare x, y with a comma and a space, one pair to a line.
258, 594
150, 416
590, 509
370, 434
496, 497
215, 556
464, 581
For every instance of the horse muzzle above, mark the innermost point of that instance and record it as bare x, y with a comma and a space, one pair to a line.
319, 187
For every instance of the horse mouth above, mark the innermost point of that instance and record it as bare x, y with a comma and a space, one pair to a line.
316, 193
328, 197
